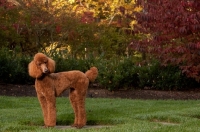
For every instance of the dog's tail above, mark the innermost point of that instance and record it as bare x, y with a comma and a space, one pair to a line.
92, 74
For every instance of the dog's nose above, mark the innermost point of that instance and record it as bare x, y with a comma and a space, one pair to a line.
46, 70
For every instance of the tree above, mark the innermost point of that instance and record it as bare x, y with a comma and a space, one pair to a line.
78, 27
29, 25
7, 19
170, 31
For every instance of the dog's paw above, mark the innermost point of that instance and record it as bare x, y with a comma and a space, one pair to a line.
80, 126
47, 126
74, 125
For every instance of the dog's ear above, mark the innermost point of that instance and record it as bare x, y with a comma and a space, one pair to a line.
33, 70
51, 65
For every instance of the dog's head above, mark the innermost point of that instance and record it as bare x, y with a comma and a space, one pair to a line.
41, 65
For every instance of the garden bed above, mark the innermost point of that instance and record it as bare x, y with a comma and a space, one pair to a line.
94, 92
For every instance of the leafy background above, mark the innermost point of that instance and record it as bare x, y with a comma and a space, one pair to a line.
134, 44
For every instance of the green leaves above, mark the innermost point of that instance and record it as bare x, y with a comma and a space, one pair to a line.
14, 67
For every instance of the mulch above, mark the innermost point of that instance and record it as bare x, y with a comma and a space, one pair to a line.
95, 92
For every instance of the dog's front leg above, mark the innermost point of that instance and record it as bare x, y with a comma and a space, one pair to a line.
51, 109
48, 105
43, 104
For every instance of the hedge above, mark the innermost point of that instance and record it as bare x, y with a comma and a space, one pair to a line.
114, 74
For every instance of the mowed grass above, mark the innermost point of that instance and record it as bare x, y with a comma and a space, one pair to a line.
117, 115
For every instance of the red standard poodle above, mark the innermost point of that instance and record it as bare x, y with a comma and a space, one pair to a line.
48, 85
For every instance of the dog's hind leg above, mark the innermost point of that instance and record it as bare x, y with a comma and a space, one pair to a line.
81, 112
73, 98
78, 103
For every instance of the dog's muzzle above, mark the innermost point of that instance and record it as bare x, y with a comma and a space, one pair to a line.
44, 69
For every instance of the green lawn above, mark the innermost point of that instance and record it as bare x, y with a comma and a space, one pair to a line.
119, 115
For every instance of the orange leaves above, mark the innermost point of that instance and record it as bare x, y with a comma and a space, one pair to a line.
87, 17
194, 46
58, 29
198, 45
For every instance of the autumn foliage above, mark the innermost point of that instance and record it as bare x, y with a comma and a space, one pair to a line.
170, 31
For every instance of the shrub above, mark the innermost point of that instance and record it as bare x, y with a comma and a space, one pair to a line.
14, 67
170, 77
68, 63
123, 73
115, 73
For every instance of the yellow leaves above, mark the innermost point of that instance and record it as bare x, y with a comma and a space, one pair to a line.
59, 4
71, 1
138, 8
96, 35
58, 48
14, 2
133, 23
